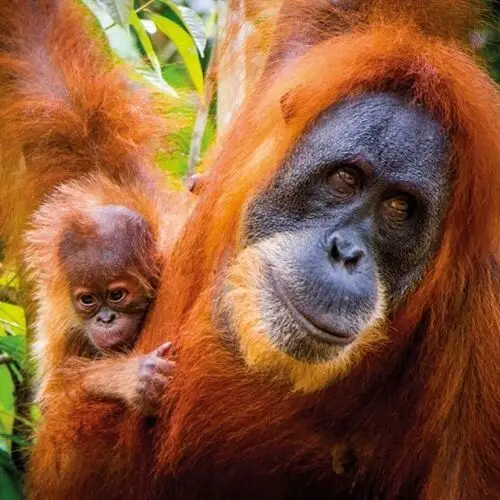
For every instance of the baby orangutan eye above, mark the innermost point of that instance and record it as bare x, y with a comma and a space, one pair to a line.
87, 299
117, 295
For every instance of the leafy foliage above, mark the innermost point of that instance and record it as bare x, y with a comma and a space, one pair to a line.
118, 9
490, 41
186, 46
12, 361
181, 25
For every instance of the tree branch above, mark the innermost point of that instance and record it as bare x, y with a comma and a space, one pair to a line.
202, 114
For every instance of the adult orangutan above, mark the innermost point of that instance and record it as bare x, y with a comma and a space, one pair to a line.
335, 304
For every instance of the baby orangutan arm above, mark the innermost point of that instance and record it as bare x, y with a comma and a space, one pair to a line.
137, 381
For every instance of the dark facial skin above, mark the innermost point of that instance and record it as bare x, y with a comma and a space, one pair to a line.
106, 261
112, 313
349, 224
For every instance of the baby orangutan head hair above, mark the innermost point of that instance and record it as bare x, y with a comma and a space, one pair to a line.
109, 260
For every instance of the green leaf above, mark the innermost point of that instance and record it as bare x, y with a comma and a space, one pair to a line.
23, 420
193, 23
10, 486
119, 10
14, 347
15, 439
119, 38
9, 279
186, 47
145, 42
6, 462
10, 481
123, 44
6, 400
152, 78
12, 318
4, 445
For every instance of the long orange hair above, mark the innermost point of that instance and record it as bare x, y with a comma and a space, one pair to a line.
423, 412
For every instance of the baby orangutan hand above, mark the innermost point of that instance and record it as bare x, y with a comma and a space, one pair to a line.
153, 376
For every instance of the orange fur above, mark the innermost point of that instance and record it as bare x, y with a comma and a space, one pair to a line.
54, 344
423, 412
71, 147
53, 128
112, 378
75, 133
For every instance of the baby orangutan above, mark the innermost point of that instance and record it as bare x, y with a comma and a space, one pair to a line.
94, 289
109, 261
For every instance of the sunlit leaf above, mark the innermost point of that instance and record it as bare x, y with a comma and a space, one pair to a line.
12, 318
123, 44
149, 26
4, 444
193, 23
9, 279
6, 400
152, 78
119, 10
21, 419
119, 38
145, 42
186, 47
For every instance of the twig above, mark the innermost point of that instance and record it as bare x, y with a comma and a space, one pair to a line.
202, 115
5, 359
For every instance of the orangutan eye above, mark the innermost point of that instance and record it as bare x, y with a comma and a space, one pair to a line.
398, 210
345, 182
117, 295
87, 299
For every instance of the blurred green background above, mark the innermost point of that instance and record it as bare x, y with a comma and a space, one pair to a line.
168, 44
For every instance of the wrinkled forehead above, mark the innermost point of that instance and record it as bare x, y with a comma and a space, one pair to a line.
396, 139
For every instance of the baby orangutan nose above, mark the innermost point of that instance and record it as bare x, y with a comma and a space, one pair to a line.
345, 250
106, 316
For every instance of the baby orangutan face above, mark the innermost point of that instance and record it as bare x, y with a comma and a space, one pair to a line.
111, 312
109, 259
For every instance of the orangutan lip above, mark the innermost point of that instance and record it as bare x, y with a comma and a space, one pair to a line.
328, 336
110, 338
